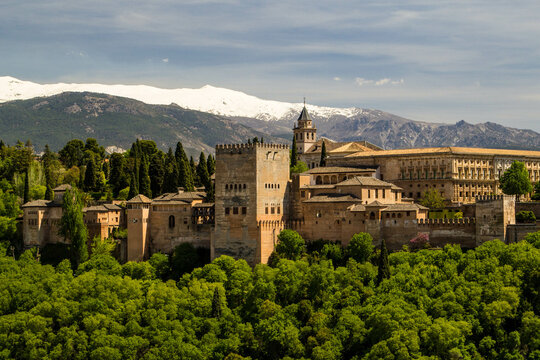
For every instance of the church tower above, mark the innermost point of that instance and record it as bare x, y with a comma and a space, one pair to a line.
304, 132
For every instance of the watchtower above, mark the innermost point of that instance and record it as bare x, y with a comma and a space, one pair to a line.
251, 186
138, 213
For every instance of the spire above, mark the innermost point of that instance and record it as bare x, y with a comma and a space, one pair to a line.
304, 116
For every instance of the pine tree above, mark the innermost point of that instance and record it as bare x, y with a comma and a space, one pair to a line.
144, 178
72, 226
294, 153
323, 154
133, 187
384, 269
216, 304
26, 194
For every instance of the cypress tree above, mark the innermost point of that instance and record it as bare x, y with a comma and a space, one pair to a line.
202, 172
323, 154
144, 178
216, 304
82, 171
384, 269
211, 165
194, 177
170, 181
26, 194
117, 178
90, 175
46, 160
157, 173
49, 193
133, 187
186, 181
72, 226
294, 152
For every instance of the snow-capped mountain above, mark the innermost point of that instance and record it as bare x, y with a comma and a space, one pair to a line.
215, 100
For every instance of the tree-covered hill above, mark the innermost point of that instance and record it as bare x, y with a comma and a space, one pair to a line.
115, 121
437, 304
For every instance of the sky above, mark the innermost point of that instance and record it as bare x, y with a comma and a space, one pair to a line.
437, 61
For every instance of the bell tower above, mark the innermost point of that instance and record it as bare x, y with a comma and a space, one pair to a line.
304, 132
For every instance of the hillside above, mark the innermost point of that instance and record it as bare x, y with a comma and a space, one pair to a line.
115, 121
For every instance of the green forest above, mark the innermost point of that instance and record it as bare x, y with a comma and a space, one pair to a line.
319, 302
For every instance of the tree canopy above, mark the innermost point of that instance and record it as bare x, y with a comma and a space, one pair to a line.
515, 180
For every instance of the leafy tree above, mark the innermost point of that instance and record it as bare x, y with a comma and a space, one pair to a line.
72, 226
72, 153
216, 304
294, 153
184, 259
383, 271
525, 217
515, 180
160, 263
432, 199
360, 247
299, 168
323, 154
536, 194
290, 244
97, 151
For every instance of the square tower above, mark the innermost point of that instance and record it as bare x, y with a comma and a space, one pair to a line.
251, 191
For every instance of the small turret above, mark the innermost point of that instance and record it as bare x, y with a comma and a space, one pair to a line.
304, 132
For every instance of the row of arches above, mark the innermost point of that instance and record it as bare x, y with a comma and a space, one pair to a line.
235, 186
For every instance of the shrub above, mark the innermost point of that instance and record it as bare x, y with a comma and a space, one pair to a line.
525, 217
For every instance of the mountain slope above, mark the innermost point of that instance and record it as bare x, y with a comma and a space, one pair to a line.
115, 121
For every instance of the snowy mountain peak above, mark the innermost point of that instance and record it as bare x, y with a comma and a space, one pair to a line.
215, 100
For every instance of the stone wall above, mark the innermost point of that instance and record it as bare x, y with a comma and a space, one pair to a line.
516, 232
449, 231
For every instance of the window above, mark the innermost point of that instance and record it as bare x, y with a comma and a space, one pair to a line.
227, 211
302, 193
376, 193
244, 210
171, 221
226, 186
369, 193
235, 210
266, 210
272, 210
244, 186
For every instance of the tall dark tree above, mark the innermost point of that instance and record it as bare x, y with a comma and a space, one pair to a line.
255, 140
93, 146
216, 304
106, 168
323, 154
170, 181
46, 160
133, 186
26, 194
184, 176
383, 268
211, 165
202, 172
194, 175
72, 226
294, 153
144, 178
157, 173
117, 175
72, 154
90, 175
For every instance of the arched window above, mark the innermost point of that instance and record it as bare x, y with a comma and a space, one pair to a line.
318, 181
372, 216
171, 221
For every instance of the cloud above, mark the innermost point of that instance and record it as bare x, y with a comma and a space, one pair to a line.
336, 78
166, 60
381, 82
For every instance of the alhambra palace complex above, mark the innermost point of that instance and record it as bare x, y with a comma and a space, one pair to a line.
363, 188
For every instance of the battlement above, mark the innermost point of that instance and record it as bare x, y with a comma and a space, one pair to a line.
270, 224
295, 224
227, 148
431, 222
486, 198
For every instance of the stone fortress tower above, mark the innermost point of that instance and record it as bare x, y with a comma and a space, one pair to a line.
251, 206
304, 132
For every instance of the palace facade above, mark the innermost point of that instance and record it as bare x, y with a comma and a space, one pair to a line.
363, 188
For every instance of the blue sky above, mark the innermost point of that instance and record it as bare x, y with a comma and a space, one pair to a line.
439, 61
